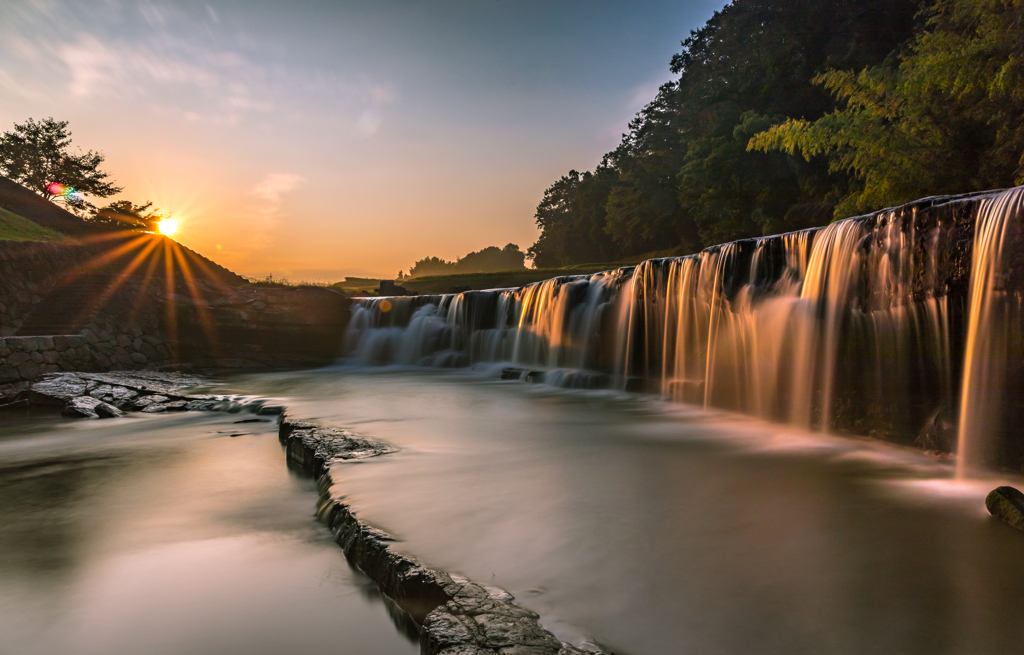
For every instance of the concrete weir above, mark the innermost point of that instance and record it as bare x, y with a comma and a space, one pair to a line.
456, 616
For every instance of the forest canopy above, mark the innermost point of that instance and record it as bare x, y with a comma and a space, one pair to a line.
785, 114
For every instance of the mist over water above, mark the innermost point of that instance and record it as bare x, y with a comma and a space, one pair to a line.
865, 326
651, 527
167, 535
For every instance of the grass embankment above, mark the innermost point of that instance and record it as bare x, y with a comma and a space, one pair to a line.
16, 228
432, 284
476, 281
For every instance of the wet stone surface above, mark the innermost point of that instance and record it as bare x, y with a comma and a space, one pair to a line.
109, 395
455, 615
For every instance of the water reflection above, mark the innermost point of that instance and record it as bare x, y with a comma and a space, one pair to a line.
653, 529
165, 535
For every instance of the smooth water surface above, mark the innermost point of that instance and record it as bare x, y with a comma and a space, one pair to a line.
652, 528
166, 535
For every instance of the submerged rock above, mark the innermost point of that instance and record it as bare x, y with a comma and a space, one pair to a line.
1007, 504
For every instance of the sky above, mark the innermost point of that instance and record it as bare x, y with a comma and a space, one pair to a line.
319, 140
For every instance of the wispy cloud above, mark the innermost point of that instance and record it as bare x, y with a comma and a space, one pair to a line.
266, 214
194, 65
275, 185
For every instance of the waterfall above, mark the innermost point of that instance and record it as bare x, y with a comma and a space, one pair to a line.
863, 326
993, 344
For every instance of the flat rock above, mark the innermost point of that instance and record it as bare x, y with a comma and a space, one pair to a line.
334, 443
150, 381
58, 389
447, 630
101, 390
500, 631
466, 649
146, 401
1007, 504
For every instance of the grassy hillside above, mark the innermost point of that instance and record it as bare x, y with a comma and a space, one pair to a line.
16, 228
26, 204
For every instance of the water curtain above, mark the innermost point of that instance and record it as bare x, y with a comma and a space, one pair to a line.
862, 326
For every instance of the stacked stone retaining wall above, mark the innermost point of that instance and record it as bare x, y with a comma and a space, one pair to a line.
134, 318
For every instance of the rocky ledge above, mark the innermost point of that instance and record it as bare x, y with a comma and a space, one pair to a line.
107, 395
455, 615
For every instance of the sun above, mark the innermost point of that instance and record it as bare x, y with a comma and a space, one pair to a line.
167, 227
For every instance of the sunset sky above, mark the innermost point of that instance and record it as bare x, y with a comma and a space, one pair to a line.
323, 139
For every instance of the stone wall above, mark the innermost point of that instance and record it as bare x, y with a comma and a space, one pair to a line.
28, 273
84, 307
26, 358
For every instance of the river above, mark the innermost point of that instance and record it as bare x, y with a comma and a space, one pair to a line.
647, 527
166, 534
652, 527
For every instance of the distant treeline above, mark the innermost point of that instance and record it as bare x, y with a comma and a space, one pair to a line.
489, 260
786, 114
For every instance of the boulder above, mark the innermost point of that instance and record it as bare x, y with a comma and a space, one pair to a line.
106, 410
89, 407
1007, 504
82, 407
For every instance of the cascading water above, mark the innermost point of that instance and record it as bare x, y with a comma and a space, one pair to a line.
993, 350
858, 326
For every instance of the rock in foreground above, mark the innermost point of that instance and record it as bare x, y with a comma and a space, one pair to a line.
455, 615
108, 395
1007, 504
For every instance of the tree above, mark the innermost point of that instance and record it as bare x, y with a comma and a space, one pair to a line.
39, 156
431, 266
572, 217
682, 177
491, 259
945, 117
125, 215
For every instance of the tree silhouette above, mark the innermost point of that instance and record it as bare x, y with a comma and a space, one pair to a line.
125, 215
39, 156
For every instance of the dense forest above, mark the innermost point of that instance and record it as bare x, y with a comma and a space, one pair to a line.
488, 260
786, 114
